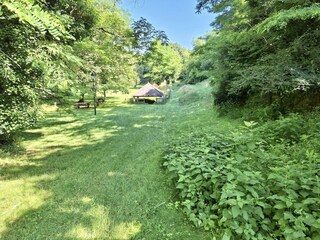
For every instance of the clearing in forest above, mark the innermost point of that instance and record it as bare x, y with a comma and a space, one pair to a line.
86, 177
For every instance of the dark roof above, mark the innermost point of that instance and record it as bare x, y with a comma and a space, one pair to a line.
148, 91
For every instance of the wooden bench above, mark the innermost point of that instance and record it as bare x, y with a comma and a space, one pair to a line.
82, 105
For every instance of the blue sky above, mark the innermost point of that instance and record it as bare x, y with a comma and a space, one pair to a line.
176, 17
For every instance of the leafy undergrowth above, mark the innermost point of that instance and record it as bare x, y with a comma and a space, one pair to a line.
255, 182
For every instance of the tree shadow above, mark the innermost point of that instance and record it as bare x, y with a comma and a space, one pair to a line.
31, 135
75, 186
106, 188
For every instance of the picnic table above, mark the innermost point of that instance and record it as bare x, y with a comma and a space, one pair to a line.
82, 105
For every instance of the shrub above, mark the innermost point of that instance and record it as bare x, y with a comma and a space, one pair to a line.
288, 129
195, 93
247, 184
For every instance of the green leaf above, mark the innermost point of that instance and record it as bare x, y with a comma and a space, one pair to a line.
298, 235
280, 206
235, 211
239, 158
230, 176
226, 236
259, 212
289, 203
251, 145
180, 186
245, 215
289, 216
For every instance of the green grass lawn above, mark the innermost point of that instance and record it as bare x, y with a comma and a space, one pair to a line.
99, 177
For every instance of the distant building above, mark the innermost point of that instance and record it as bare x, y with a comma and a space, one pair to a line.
149, 94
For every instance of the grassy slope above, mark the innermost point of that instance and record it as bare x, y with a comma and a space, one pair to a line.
86, 177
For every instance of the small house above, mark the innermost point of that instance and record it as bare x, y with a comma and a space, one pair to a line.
148, 94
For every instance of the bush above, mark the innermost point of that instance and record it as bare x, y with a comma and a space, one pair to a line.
15, 117
253, 183
289, 129
189, 98
195, 93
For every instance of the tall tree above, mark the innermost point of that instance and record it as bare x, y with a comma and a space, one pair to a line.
30, 40
146, 40
145, 35
108, 52
164, 62
266, 49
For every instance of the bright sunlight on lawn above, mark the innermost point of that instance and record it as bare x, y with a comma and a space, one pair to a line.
86, 177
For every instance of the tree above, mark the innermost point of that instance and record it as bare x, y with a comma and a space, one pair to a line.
145, 41
200, 63
266, 49
108, 52
30, 43
145, 35
37, 16
164, 63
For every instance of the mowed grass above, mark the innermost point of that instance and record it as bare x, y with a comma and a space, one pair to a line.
99, 177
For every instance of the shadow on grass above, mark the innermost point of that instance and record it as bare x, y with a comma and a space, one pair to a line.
31, 135
52, 121
33, 224
108, 188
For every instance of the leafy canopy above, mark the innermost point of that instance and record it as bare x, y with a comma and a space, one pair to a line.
265, 50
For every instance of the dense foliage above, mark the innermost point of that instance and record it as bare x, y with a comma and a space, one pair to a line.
252, 183
27, 40
165, 62
145, 35
199, 66
159, 60
260, 181
263, 49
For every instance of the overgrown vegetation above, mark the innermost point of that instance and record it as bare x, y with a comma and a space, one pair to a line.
255, 182
259, 181
195, 94
262, 51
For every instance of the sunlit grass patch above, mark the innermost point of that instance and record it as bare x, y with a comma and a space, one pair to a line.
126, 230
18, 196
98, 177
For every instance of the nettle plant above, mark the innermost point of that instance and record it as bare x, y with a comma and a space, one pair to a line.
248, 184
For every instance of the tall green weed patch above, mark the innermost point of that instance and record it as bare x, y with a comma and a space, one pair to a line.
190, 94
258, 182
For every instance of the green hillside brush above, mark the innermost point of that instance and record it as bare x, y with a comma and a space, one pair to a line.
252, 183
